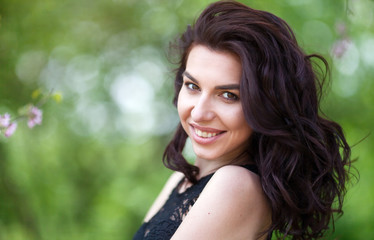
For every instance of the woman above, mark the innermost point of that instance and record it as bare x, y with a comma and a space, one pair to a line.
266, 161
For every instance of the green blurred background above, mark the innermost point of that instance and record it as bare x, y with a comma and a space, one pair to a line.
93, 168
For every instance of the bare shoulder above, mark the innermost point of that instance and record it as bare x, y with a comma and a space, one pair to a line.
164, 194
231, 178
174, 178
231, 206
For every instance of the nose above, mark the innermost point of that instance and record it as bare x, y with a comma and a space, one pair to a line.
203, 111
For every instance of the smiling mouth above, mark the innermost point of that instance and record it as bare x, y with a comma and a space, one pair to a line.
205, 134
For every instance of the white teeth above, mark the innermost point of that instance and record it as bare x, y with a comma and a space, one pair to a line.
204, 134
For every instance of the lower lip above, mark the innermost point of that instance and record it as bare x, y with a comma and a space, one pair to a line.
201, 140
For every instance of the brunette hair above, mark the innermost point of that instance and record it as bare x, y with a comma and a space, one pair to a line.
303, 158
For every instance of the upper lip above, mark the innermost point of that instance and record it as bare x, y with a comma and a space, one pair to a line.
206, 129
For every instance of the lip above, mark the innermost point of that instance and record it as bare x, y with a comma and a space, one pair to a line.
202, 140
206, 129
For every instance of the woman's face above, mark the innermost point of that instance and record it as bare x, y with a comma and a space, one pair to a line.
209, 105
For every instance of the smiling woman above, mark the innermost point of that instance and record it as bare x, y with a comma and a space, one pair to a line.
210, 110
266, 162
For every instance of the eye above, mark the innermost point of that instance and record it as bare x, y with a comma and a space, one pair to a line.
230, 96
191, 86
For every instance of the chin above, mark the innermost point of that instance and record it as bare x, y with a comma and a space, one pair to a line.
209, 156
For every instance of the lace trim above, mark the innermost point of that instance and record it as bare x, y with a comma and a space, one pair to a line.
166, 221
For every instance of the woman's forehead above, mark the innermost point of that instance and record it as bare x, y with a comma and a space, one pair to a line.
203, 62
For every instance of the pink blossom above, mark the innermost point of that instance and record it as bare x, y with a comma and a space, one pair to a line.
5, 120
340, 47
10, 129
35, 117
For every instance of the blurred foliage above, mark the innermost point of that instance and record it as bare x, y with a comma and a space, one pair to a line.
94, 167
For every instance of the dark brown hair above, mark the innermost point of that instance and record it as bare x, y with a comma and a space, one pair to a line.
303, 158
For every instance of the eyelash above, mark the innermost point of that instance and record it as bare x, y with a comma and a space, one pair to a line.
193, 87
234, 97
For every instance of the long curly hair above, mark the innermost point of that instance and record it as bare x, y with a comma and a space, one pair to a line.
303, 158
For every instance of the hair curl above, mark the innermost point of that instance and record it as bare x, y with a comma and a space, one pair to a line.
303, 172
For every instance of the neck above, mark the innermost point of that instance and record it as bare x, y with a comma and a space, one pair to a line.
207, 167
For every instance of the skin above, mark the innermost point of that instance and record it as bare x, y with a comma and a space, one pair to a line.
228, 209
209, 101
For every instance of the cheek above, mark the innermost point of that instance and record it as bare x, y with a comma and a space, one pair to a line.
237, 121
182, 106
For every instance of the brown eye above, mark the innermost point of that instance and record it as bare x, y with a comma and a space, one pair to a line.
230, 96
192, 86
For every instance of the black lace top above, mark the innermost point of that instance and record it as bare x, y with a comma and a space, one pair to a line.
163, 225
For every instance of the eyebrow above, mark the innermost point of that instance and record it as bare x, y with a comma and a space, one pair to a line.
221, 87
